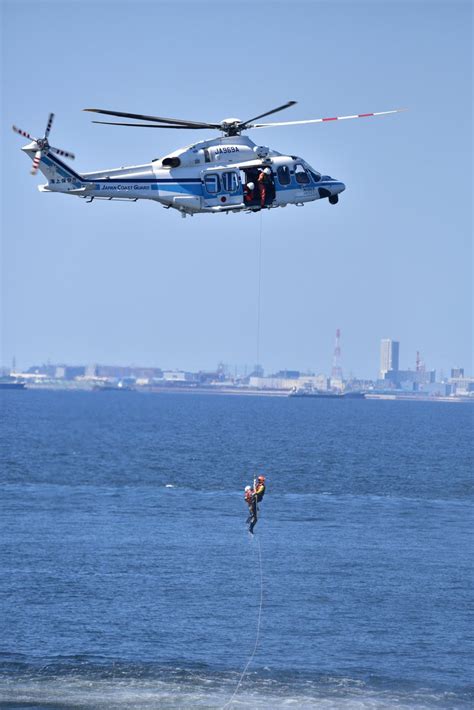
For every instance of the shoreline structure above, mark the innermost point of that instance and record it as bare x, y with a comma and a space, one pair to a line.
236, 391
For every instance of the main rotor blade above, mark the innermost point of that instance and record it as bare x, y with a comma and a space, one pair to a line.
148, 125
323, 120
274, 110
23, 133
142, 117
62, 152
49, 124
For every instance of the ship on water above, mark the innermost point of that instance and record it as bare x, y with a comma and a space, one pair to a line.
328, 394
11, 383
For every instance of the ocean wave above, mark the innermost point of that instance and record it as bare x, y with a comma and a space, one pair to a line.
77, 684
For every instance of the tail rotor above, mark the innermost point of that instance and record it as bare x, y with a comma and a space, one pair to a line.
42, 145
36, 162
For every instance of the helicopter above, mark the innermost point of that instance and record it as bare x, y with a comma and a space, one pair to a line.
220, 175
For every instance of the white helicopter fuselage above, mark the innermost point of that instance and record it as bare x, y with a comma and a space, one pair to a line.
206, 177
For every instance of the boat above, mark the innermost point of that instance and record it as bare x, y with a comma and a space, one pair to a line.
9, 383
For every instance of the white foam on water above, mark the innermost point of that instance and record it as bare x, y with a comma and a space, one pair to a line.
130, 694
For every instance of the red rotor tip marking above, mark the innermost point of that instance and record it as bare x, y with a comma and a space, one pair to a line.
330, 119
364, 115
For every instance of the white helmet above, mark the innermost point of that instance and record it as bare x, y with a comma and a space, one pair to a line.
251, 185
267, 171
247, 488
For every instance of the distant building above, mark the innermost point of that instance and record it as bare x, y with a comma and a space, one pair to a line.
122, 372
179, 376
113, 371
48, 370
294, 381
69, 372
320, 383
457, 372
389, 356
210, 377
286, 374
410, 379
462, 385
149, 373
274, 383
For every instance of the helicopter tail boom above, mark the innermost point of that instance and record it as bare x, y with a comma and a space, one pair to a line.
57, 173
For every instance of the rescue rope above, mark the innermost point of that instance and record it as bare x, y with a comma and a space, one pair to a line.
259, 618
229, 702
259, 287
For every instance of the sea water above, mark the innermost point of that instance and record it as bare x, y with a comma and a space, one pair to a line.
128, 578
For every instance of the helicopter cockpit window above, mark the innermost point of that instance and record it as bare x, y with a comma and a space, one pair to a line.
230, 181
284, 176
316, 176
212, 183
301, 176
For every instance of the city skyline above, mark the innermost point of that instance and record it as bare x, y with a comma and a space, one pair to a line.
389, 350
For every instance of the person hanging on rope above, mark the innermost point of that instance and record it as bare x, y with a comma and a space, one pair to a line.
253, 497
248, 495
260, 488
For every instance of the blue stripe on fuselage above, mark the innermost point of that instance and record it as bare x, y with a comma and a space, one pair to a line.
168, 183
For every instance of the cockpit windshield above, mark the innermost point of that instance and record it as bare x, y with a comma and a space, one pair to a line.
314, 173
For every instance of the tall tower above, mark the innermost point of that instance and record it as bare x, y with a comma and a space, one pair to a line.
336, 372
389, 356
420, 365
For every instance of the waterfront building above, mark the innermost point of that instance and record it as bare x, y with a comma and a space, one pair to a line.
179, 376
274, 383
410, 379
69, 372
463, 386
389, 356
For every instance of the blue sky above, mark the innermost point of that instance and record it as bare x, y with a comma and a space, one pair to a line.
133, 283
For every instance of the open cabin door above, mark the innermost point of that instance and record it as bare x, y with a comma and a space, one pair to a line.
221, 187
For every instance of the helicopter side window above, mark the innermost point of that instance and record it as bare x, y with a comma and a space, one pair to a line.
212, 183
230, 181
301, 176
284, 176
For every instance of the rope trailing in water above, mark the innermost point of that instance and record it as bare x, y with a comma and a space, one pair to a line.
229, 702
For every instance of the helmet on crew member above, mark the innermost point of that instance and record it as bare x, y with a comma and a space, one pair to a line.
261, 478
251, 185
247, 488
267, 171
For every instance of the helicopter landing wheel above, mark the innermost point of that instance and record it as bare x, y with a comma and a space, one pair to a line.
334, 199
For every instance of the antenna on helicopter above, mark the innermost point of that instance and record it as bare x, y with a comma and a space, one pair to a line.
43, 145
229, 126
